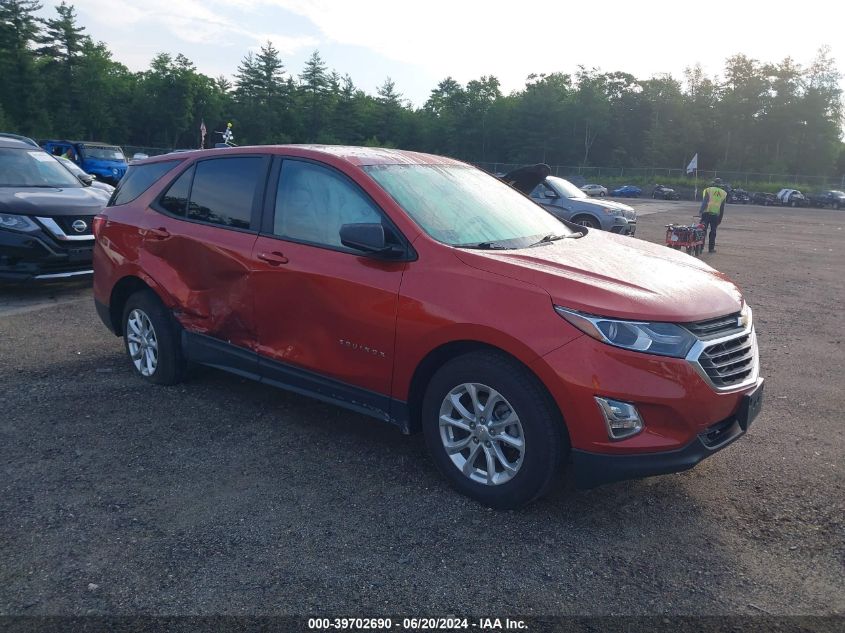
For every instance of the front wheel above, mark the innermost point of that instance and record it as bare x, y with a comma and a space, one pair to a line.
602, 194
492, 430
589, 222
151, 339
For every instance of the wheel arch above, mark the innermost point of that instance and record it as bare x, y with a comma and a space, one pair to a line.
122, 290
441, 355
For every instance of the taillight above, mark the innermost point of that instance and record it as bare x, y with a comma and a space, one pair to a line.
99, 221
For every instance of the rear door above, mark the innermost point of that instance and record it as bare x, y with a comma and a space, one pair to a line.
198, 245
326, 314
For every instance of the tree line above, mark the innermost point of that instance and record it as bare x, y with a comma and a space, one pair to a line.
766, 117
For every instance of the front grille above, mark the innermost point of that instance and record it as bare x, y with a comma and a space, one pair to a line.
66, 222
720, 326
730, 362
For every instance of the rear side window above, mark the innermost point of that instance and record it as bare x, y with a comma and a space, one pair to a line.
175, 199
138, 179
224, 189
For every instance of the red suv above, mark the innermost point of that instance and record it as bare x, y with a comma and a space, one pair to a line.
424, 292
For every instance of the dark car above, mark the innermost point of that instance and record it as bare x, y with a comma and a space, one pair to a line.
833, 198
739, 196
766, 199
661, 192
627, 191
46, 216
18, 137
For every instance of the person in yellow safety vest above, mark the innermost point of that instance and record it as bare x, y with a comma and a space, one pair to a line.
712, 210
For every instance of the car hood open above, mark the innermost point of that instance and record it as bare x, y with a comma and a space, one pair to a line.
524, 179
616, 276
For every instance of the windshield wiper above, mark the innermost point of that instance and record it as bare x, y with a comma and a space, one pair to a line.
551, 237
484, 246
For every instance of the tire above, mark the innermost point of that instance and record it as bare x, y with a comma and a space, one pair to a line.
520, 396
586, 220
158, 356
602, 194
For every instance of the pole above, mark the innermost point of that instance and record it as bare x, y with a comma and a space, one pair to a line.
696, 182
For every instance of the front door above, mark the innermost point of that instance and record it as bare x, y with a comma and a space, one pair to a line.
326, 314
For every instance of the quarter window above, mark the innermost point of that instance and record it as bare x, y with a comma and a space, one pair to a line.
313, 202
138, 179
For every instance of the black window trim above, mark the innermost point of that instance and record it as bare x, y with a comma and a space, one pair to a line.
268, 219
257, 197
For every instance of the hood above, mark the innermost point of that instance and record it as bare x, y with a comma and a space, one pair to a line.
52, 202
616, 276
524, 179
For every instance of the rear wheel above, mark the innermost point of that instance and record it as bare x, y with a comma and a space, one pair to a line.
151, 339
602, 194
492, 430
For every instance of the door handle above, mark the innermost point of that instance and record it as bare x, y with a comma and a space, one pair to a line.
159, 233
274, 259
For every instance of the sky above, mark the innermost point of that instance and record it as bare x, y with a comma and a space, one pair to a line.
419, 43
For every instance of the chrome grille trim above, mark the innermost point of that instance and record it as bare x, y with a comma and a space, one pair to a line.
712, 327
730, 362
51, 225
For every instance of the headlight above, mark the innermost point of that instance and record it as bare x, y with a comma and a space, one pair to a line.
610, 211
17, 223
664, 339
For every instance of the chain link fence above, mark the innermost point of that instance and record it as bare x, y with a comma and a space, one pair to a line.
581, 175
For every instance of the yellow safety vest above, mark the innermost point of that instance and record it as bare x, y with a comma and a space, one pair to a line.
717, 197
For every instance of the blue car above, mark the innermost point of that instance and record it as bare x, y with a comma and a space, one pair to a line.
627, 191
104, 161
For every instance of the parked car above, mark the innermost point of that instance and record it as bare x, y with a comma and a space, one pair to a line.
139, 156
661, 192
46, 216
766, 199
739, 196
594, 190
792, 198
833, 198
439, 300
18, 137
89, 180
104, 161
627, 191
567, 202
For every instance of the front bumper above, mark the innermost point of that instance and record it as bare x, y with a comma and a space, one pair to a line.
623, 226
596, 469
37, 257
676, 402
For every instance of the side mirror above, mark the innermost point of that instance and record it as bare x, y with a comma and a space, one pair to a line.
86, 179
550, 194
369, 237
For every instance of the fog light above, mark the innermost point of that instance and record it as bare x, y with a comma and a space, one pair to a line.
622, 419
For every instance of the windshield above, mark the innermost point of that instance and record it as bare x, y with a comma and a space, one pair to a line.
103, 153
33, 168
565, 188
463, 206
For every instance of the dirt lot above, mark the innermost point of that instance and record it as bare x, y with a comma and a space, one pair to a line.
222, 496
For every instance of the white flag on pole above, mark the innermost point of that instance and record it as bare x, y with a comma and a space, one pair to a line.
693, 164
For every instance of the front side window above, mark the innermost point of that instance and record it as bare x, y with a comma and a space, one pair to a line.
33, 168
224, 189
463, 206
138, 179
313, 202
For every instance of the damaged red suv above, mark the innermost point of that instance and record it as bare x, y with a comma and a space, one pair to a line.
424, 292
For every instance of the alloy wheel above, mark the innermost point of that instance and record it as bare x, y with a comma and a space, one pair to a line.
482, 434
142, 342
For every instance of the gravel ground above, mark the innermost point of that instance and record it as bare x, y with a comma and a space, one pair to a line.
220, 496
